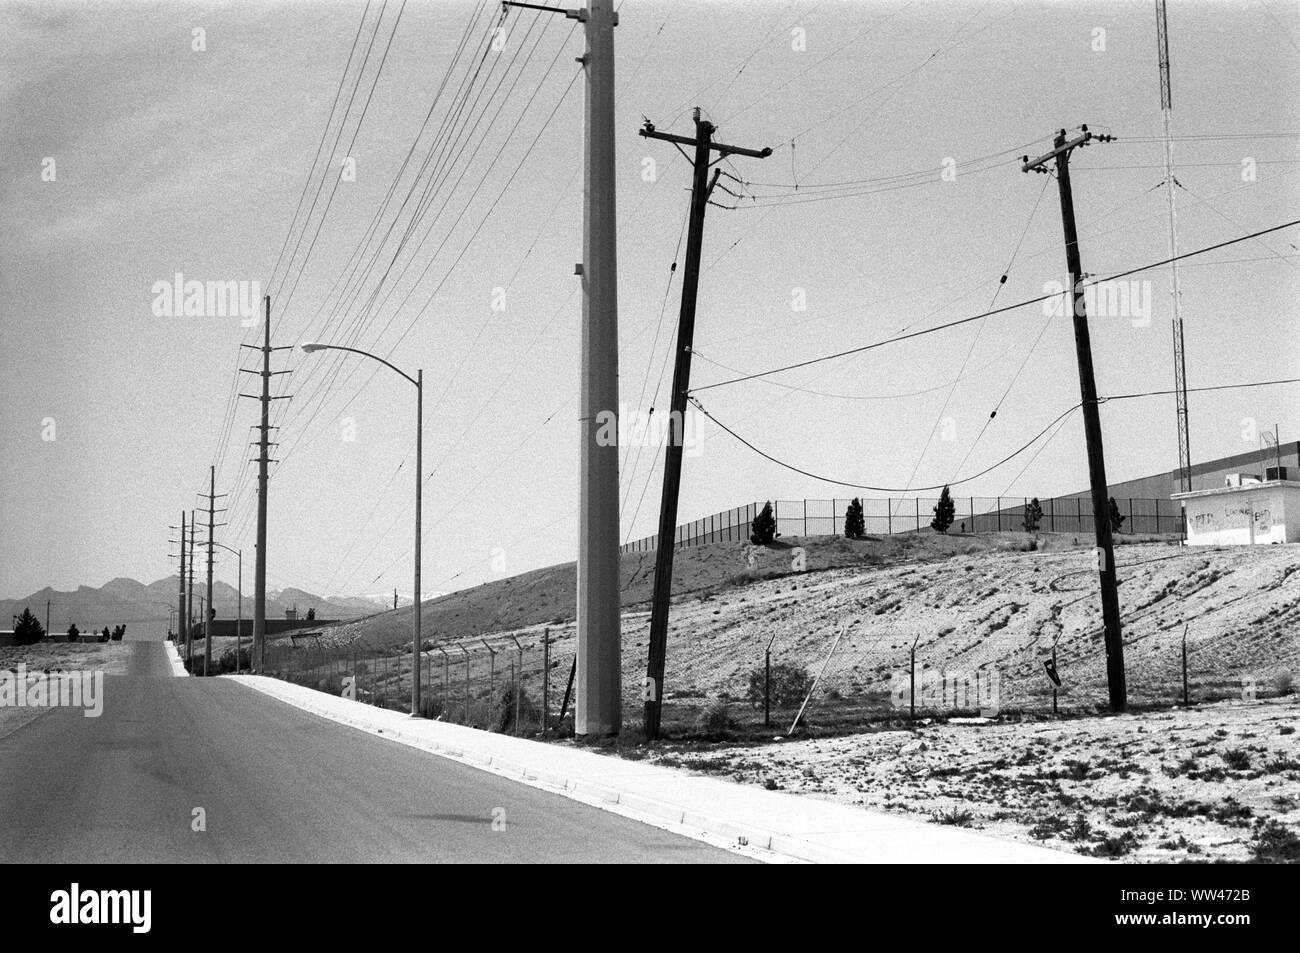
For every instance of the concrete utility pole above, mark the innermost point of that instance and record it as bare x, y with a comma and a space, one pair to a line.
652, 688
263, 458
600, 637
1091, 416
211, 495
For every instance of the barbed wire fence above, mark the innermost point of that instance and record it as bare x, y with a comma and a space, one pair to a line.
514, 682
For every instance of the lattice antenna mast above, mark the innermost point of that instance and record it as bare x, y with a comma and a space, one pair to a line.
1180, 360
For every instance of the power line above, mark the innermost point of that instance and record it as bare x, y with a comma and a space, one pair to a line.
1060, 418
976, 317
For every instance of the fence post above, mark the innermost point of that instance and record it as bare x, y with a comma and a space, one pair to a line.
446, 663
913, 678
1130, 514
546, 679
918, 514
1054, 684
998, 510
466, 651
1185, 701
767, 686
1078, 514
889, 516
492, 676
519, 682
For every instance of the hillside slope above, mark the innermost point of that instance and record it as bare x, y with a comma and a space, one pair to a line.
986, 604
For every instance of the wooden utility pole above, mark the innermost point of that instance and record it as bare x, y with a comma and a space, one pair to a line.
1105, 555
702, 187
189, 602
211, 496
599, 708
180, 593
263, 458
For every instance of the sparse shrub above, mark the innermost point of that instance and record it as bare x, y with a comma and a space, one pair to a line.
1236, 759
789, 685
1053, 826
714, 719
953, 818
764, 526
1275, 843
28, 629
73, 633
1080, 830
503, 718
1284, 683
1114, 846
1286, 730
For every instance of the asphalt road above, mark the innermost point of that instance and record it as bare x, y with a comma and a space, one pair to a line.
275, 785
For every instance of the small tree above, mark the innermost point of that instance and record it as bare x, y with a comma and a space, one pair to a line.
1116, 518
1033, 515
311, 614
73, 632
764, 527
789, 685
855, 523
28, 629
118, 632
945, 511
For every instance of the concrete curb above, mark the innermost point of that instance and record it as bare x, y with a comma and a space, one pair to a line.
174, 656
754, 839
648, 810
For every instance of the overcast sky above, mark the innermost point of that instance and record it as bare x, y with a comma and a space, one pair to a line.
135, 148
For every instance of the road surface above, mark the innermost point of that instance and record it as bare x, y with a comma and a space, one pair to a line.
275, 784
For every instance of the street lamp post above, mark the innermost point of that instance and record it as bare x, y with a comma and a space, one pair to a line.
418, 381
239, 623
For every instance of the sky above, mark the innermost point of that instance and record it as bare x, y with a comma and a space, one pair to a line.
143, 140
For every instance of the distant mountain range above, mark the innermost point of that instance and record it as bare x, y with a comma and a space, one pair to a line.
126, 601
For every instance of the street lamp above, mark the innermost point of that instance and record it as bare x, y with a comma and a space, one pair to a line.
239, 625
418, 380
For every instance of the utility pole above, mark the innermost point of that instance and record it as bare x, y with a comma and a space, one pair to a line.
47, 618
211, 495
652, 687
1105, 555
599, 708
189, 602
180, 590
263, 458
1180, 360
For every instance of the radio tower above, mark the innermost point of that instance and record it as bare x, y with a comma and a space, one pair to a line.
1180, 360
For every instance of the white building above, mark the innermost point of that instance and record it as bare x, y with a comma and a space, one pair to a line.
1246, 511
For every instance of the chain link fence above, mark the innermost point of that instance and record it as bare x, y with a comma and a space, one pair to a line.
519, 683
885, 516
854, 677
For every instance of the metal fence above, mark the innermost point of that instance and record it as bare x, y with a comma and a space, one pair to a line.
515, 683
827, 680
884, 516
844, 681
